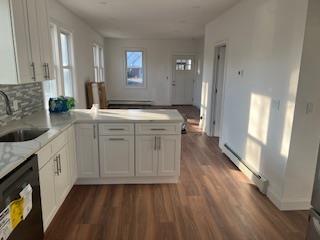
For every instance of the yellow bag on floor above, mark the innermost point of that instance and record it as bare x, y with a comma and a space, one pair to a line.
16, 212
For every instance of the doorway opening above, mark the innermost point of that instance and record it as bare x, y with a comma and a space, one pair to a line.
217, 89
183, 78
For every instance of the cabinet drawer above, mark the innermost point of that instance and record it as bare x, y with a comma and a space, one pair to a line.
158, 129
59, 142
44, 155
116, 129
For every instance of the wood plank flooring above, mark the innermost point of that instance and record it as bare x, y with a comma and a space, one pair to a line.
213, 200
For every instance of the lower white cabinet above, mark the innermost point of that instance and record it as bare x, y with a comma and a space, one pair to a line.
146, 156
87, 150
62, 175
72, 155
48, 198
54, 175
169, 152
116, 156
158, 155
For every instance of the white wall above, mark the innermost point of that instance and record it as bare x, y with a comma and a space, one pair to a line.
264, 40
159, 55
83, 39
300, 170
198, 81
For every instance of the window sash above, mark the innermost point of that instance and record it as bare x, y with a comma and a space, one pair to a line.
142, 69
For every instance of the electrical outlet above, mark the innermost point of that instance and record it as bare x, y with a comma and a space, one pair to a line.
309, 108
15, 105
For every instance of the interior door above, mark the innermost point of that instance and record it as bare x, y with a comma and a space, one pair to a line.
183, 79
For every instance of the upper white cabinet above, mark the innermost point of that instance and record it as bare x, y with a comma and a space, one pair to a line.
26, 44
87, 150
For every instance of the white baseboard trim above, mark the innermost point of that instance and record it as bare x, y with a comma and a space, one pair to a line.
132, 180
288, 205
259, 181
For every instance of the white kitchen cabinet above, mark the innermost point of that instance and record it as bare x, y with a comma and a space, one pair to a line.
169, 151
22, 45
116, 156
30, 41
87, 150
62, 175
146, 156
48, 200
72, 155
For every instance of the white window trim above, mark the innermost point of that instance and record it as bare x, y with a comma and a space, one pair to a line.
144, 65
101, 63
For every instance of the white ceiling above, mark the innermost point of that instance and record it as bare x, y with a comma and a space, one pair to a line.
156, 19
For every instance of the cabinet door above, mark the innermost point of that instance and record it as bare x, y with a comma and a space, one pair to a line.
62, 177
146, 156
47, 189
72, 155
19, 18
116, 156
44, 39
87, 151
169, 155
34, 38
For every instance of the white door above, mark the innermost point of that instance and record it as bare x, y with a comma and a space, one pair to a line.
48, 201
146, 156
183, 80
116, 156
169, 155
87, 151
62, 176
218, 89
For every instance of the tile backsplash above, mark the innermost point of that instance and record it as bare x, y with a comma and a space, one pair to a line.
29, 97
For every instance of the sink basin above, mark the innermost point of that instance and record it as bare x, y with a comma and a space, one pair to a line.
22, 135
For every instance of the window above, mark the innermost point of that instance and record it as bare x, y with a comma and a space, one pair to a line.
62, 83
135, 69
98, 63
184, 64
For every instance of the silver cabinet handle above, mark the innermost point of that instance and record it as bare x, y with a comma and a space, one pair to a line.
116, 139
59, 160
33, 71
158, 129
45, 71
56, 166
116, 129
155, 143
159, 143
94, 132
48, 71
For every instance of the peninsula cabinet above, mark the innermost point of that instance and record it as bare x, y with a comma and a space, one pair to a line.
87, 150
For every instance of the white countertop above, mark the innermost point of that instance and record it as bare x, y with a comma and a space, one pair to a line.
13, 154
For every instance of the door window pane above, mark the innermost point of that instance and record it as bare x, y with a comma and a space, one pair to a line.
135, 68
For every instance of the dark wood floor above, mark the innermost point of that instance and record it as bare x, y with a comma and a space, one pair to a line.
213, 200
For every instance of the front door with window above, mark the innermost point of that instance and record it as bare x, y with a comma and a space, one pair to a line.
183, 79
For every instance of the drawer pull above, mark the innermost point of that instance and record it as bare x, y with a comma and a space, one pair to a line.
116, 129
157, 129
116, 139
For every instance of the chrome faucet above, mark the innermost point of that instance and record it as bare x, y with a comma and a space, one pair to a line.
6, 99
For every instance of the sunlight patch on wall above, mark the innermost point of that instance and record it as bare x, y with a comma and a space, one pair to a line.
253, 153
259, 117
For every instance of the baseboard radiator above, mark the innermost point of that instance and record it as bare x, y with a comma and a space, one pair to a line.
255, 177
131, 102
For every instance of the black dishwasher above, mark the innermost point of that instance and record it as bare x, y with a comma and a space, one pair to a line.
11, 186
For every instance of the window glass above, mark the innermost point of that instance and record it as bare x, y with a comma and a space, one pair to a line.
134, 68
64, 49
68, 85
184, 64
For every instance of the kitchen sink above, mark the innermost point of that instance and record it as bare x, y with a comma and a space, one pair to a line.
22, 135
